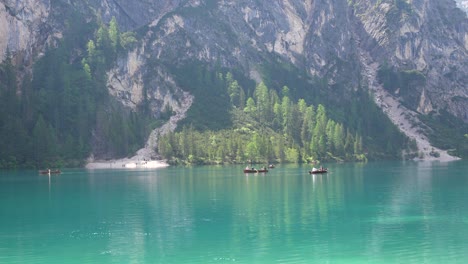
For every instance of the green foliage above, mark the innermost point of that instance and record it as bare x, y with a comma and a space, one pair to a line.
210, 109
381, 138
127, 40
301, 134
114, 34
405, 83
398, 11
250, 106
361, 130
447, 132
283, 75
65, 109
354, 108
235, 91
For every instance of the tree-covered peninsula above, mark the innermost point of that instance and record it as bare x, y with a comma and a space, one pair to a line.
266, 128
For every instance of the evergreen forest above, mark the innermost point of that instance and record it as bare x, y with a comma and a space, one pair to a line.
64, 109
266, 128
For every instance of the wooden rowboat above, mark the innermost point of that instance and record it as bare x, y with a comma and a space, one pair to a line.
254, 170
318, 171
46, 172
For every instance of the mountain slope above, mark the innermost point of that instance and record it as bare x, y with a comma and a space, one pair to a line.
326, 51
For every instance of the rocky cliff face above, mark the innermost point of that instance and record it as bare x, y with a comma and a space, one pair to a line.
322, 37
427, 36
338, 40
132, 14
24, 29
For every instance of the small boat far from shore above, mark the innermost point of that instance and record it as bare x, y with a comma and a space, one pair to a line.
318, 171
253, 170
48, 172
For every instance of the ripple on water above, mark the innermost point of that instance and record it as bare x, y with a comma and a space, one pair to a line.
353, 217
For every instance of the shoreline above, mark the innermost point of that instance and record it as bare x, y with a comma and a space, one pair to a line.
406, 120
155, 164
146, 157
127, 164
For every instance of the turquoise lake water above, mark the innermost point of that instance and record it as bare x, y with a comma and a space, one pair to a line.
386, 212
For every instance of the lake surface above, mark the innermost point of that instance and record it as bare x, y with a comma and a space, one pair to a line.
389, 212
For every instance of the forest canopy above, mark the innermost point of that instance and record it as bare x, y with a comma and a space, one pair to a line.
267, 127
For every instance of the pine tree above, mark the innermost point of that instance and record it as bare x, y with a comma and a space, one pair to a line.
250, 107
234, 91
114, 34
261, 96
338, 139
329, 132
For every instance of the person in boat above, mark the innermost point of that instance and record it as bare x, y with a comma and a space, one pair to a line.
247, 168
314, 169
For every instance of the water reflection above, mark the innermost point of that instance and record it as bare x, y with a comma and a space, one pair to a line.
408, 218
376, 212
206, 210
